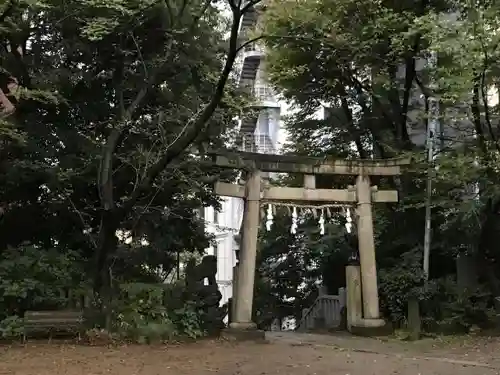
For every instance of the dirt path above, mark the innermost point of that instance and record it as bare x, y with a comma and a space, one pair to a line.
466, 351
285, 354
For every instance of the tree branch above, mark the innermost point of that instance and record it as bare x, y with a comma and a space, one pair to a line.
348, 113
352, 79
410, 69
476, 116
410, 75
484, 97
125, 117
377, 145
196, 124
248, 42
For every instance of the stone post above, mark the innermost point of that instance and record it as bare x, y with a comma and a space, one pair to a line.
343, 309
366, 245
235, 291
246, 269
342, 297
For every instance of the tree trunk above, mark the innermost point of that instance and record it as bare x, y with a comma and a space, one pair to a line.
106, 248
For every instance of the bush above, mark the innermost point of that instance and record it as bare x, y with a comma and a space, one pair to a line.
142, 315
457, 310
444, 307
33, 278
187, 321
400, 283
11, 328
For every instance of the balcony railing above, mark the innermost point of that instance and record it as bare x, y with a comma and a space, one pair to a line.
260, 143
263, 93
260, 92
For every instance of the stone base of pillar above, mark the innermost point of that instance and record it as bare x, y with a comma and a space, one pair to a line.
243, 332
243, 326
371, 328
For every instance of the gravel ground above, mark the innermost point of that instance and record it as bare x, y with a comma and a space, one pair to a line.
287, 354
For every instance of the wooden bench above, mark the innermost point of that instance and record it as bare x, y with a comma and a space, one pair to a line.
65, 321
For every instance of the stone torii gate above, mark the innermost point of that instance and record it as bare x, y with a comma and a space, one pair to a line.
254, 192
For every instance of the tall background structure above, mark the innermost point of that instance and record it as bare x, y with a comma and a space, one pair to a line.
258, 132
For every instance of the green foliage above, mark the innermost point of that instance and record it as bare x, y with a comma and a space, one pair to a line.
142, 315
451, 309
138, 72
187, 321
106, 105
34, 278
400, 283
11, 327
444, 307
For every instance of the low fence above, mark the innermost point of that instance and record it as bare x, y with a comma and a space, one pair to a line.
324, 313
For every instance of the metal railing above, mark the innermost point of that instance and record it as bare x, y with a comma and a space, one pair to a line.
260, 143
263, 93
259, 92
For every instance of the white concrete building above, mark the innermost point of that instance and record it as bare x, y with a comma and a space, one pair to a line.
257, 133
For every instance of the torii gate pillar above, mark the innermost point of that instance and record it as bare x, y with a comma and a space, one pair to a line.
366, 245
242, 317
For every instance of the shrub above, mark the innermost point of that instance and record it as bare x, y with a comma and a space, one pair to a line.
457, 309
400, 283
142, 315
32, 278
187, 321
444, 307
11, 327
